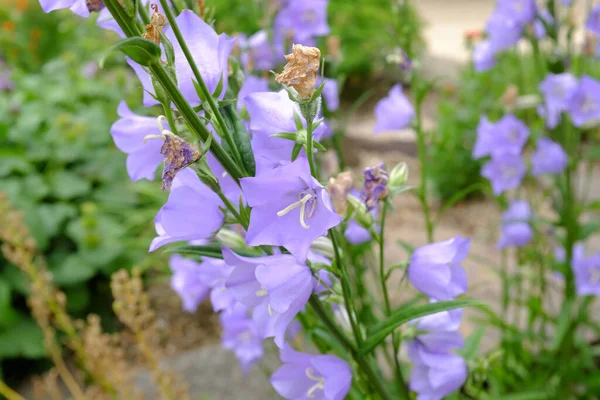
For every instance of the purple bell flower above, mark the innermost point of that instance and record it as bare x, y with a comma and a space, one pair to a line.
435, 375
252, 84
214, 273
230, 188
301, 21
593, 22
192, 212
272, 113
128, 133
441, 331
503, 29
305, 376
435, 269
523, 11
516, 230
209, 50
505, 171
330, 93
510, 135
548, 158
187, 283
276, 287
78, 7
290, 208
484, 56
584, 104
240, 336
393, 112
557, 90
485, 136
259, 53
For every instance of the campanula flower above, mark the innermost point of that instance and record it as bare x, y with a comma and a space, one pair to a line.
435, 268
435, 375
584, 104
143, 156
503, 29
276, 287
523, 11
393, 112
557, 90
306, 376
214, 272
230, 188
209, 50
252, 84
516, 230
187, 283
548, 158
240, 336
484, 56
330, 93
79, 7
270, 114
290, 208
356, 234
376, 185
485, 136
192, 212
301, 21
258, 53
510, 135
593, 22
586, 270
440, 331
505, 171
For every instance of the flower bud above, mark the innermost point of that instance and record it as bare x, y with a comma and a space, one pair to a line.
300, 72
230, 239
398, 177
360, 212
324, 247
338, 189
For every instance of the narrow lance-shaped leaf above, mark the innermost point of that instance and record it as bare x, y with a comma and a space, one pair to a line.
236, 127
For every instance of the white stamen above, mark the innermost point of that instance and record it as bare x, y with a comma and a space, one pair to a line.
320, 385
153, 136
270, 310
261, 292
160, 120
224, 174
302, 203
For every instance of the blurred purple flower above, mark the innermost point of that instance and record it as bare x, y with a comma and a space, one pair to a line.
301, 21
272, 113
290, 208
584, 104
516, 230
435, 269
393, 112
305, 376
441, 331
503, 29
510, 135
79, 7
192, 212
593, 22
6, 84
376, 185
435, 375
504, 171
586, 271
258, 53
128, 133
277, 288
485, 135
330, 93
557, 90
484, 56
548, 158
187, 283
252, 84
240, 336
214, 273
523, 11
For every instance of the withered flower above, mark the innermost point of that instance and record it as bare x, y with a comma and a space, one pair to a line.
338, 189
301, 70
155, 27
376, 185
178, 155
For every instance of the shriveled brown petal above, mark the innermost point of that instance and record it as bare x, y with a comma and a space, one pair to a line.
338, 189
301, 70
178, 154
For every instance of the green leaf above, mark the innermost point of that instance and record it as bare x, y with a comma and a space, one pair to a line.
78, 297
588, 229
380, 331
22, 339
66, 185
537, 395
472, 343
71, 270
296, 150
143, 51
236, 127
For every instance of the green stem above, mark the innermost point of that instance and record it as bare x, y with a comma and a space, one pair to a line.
309, 147
170, 119
243, 221
203, 88
373, 379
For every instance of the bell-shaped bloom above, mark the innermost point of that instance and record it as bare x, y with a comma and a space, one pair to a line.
252, 84
79, 7
505, 171
440, 331
192, 212
503, 29
276, 287
484, 56
516, 230
510, 135
584, 104
330, 93
485, 138
290, 208
306, 376
435, 268
258, 53
270, 114
435, 375
523, 11
557, 90
586, 271
240, 336
187, 283
593, 22
209, 51
393, 112
548, 158
214, 272
128, 133
376, 185
301, 21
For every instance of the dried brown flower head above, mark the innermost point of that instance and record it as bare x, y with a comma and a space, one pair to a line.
178, 155
338, 189
301, 70
155, 27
